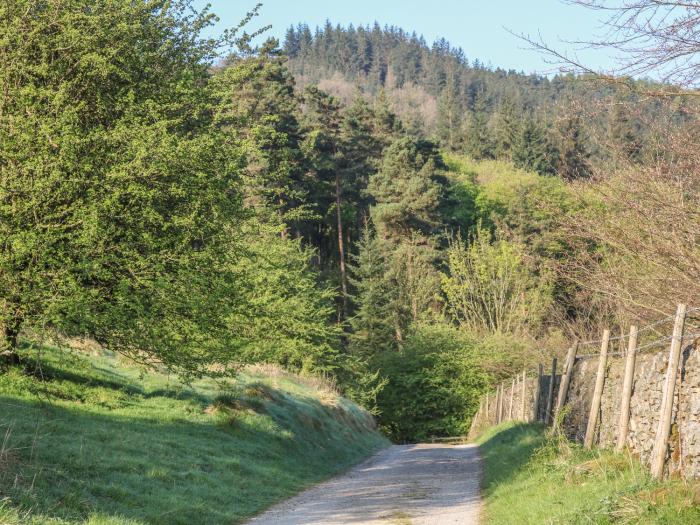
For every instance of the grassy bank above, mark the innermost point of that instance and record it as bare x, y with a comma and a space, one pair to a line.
529, 479
89, 440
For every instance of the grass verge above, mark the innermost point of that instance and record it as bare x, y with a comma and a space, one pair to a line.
533, 479
90, 440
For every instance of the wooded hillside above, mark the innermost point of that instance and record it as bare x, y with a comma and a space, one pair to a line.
199, 204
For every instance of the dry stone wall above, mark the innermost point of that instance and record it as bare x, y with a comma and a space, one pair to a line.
650, 372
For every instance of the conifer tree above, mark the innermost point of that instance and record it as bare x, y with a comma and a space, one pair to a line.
623, 134
449, 122
478, 139
325, 151
507, 128
573, 156
533, 151
372, 323
263, 117
408, 192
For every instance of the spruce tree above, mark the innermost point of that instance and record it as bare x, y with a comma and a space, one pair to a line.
507, 129
263, 117
533, 150
478, 139
573, 156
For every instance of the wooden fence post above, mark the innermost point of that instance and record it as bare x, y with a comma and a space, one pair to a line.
626, 400
538, 387
658, 458
598, 391
550, 394
566, 378
487, 406
510, 405
475, 419
499, 406
523, 392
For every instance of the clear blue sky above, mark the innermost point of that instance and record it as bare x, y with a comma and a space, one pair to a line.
478, 26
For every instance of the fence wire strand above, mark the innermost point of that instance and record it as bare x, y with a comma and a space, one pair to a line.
640, 349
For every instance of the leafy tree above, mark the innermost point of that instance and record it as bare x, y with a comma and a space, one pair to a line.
489, 288
118, 192
434, 384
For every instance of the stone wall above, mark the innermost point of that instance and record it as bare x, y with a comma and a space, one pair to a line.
649, 376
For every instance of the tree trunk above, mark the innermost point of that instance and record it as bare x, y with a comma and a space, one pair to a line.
341, 248
285, 230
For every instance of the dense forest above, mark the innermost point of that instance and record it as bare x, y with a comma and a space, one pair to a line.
350, 202
545, 124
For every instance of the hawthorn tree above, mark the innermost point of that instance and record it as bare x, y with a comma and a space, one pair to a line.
118, 193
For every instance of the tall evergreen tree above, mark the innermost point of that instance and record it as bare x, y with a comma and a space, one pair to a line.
324, 149
573, 156
507, 129
408, 191
263, 117
450, 112
533, 150
478, 140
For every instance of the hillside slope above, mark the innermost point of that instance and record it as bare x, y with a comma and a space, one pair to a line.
88, 439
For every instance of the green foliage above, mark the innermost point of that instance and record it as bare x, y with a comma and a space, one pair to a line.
524, 206
434, 384
531, 479
489, 287
573, 161
407, 190
375, 321
287, 315
479, 142
464, 104
262, 115
118, 192
533, 150
95, 443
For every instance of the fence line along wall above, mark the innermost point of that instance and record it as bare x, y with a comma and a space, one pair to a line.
643, 434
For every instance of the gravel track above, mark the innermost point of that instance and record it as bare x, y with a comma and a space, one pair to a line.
401, 485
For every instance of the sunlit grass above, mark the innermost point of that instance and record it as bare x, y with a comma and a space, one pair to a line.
530, 479
89, 440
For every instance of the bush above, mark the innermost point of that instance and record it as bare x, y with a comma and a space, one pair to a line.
434, 384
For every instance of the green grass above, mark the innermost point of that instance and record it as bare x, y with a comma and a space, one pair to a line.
531, 479
89, 440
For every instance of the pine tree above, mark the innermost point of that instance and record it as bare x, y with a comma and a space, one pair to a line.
450, 111
373, 296
408, 192
325, 151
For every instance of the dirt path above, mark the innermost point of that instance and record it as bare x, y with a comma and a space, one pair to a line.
402, 485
